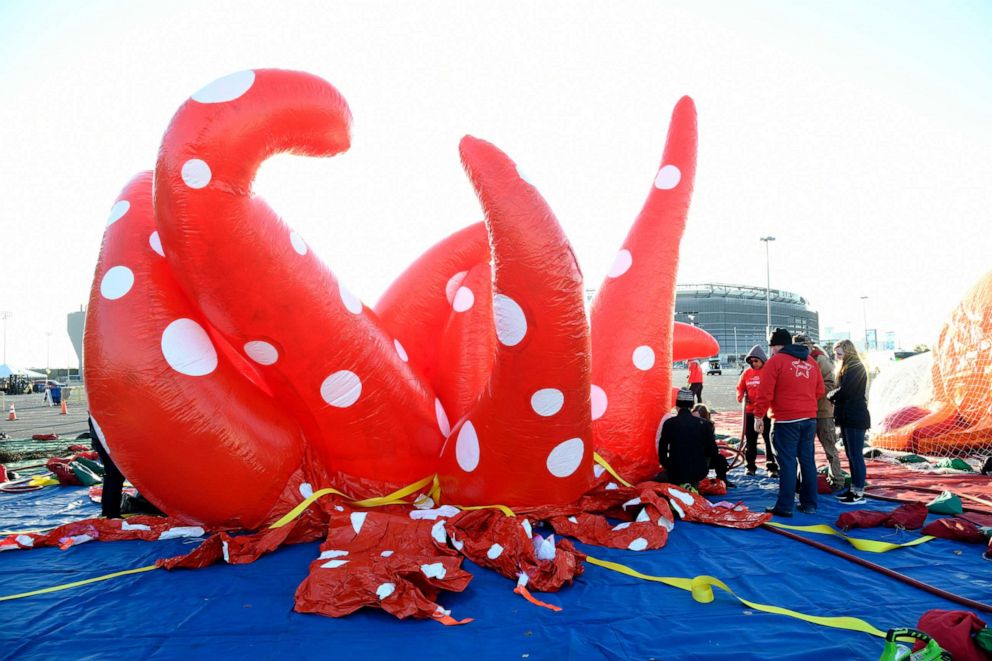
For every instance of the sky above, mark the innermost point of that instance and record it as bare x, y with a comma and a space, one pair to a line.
857, 134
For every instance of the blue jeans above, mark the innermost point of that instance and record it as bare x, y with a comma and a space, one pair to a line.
854, 447
792, 441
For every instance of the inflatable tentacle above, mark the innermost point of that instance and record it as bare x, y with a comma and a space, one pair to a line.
526, 441
364, 411
420, 302
632, 354
167, 400
690, 341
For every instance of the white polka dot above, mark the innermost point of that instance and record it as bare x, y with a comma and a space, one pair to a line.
341, 389
434, 570
299, 245
678, 510
668, 177
643, 358
525, 524
334, 564
547, 401
386, 553
155, 241
401, 351
384, 590
332, 553
494, 551
351, 302
511, 323
227, 88
261, 352
117, 211
464, 299
454, 282
467, 448
116, 282
306, 490
620, 264
683, 496
638, 544
598, 398
622, 526
598, 470
442, 418
188, 349
196, 173
357, 521
566, 457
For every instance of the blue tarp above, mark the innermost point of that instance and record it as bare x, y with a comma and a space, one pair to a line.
246, 610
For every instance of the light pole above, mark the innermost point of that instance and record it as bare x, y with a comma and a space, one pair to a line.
768, 287
5, 316
48, 359
864, 312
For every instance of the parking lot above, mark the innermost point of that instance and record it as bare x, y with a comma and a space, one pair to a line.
719, 392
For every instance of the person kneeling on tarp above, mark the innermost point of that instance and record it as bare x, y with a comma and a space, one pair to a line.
687, 446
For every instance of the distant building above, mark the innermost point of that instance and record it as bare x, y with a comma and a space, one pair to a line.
736, 315
75, 321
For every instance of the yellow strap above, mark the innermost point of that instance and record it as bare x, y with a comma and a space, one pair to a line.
76, 584
395, 498
869, 545
701, 588
609, 469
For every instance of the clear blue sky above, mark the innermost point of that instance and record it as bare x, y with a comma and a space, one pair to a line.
856, 133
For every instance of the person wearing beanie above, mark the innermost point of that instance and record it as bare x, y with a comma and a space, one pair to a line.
790, 386
687, 446
826, 430
747, 389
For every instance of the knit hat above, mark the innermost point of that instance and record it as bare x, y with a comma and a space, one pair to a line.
780, 338
802, 339
684, 398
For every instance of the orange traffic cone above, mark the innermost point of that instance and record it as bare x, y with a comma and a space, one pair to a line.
65, 409
13, 414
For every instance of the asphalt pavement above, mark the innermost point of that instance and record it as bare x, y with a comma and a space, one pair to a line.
719, 392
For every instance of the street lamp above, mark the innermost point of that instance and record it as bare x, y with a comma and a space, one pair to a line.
768, 288
48, 351
5, 316
864, 312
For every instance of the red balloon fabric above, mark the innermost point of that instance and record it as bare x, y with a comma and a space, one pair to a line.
219, 345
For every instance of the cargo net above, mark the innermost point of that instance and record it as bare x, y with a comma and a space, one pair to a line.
940, 403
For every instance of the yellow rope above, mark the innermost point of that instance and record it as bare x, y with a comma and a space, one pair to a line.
76, 584
869, 545
609, 469
701, 589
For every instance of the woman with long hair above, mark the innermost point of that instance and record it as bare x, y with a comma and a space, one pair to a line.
851, 415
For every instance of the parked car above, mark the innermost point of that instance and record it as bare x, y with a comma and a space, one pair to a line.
714, 368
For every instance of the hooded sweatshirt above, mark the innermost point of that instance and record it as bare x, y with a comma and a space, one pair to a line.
790, 385
750, 378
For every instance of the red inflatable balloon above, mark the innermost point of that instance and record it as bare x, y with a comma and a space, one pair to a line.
223, 347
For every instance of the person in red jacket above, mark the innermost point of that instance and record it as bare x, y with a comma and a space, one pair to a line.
696, 380
790, 386
747, 390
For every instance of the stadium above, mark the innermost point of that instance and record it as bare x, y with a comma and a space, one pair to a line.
736, 315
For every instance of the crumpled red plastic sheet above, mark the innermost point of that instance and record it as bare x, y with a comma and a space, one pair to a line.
63, 471
954, 528
647, 529
509, 546
909, 516
146, 528
953, 631
388, 561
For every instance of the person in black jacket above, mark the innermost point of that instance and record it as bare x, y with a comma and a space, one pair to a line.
687, 446
851, 415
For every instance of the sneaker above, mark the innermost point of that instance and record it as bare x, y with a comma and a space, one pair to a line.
852, 498
778, 512
807, 509
842, 494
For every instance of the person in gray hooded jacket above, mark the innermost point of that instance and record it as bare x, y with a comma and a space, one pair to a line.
747, 389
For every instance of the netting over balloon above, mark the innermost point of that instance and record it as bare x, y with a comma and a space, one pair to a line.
940, 403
